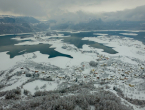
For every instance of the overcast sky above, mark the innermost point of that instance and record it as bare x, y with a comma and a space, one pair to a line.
49, 9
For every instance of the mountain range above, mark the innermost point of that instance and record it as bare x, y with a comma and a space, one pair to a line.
13, 25
131, 19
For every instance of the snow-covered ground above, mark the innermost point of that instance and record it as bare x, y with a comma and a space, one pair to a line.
124, 70
38, 85
126, 47
130, 34
100, 34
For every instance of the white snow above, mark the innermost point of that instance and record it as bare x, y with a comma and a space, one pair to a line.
128, 49
71, 31
38, 83
15, 34
130, 34
100, 34
78, 56
6, 62
124, 47
19, 82
26, 38
22, 51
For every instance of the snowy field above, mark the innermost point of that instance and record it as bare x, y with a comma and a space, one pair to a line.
123, 73
130, 34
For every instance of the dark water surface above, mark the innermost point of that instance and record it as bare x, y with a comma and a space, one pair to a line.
7, 44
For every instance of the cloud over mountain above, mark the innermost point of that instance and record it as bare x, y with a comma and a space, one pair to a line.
49, 9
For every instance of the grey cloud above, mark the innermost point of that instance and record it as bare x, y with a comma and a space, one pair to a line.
25, 7
137, 14
43, 8
73, 10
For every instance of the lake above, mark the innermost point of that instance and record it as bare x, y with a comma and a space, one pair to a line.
7, 43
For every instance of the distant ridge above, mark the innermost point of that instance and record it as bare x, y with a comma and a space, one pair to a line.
20, 24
